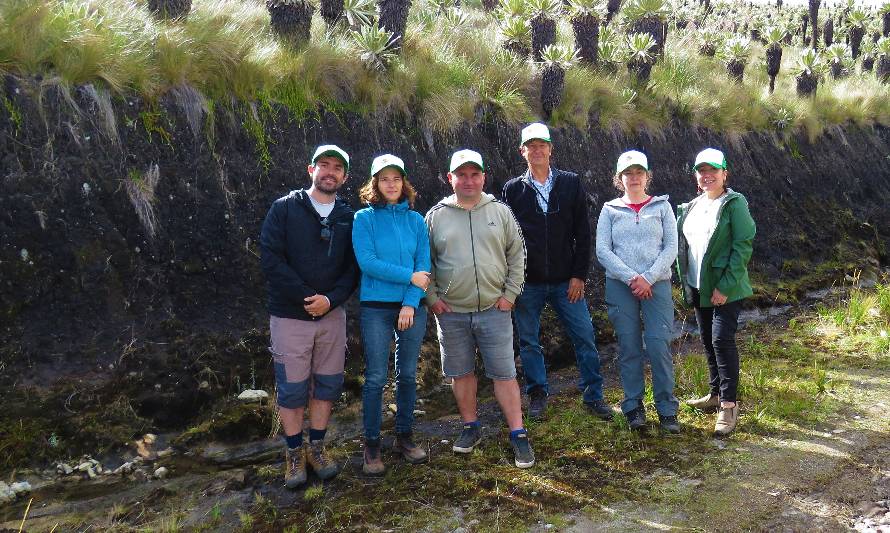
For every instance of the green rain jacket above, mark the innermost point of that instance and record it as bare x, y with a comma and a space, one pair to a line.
725, 265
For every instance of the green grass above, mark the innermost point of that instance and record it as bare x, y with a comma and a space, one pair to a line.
446, 71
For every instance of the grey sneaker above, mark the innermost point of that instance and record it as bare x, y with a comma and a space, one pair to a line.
600, 409
468, 439
537, 403
636, 418
669, 424
523, 456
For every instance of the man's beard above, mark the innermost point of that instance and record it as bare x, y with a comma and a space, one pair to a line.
323, 187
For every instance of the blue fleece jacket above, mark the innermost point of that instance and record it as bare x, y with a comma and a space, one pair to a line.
391, 243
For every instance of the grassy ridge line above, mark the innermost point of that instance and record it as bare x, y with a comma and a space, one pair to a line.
225, 50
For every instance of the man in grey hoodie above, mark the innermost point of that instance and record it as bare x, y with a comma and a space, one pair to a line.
478, 269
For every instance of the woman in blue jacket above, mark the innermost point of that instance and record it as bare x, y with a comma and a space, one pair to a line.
392, 249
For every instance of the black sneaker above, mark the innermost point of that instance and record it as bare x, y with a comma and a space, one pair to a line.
669, 424
468, 439
537, 403
523, 456
600, 409
636, 419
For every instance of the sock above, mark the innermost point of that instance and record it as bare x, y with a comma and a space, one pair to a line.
294, 441
516, 432
474, 424
316, 435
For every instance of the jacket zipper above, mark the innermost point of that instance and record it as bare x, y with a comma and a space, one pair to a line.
475, 271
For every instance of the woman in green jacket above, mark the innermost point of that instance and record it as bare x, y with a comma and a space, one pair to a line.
716, 233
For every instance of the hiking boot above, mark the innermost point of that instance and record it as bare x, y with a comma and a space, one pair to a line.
412, 453
294, 467
523, 456
669, 424
372, 464
708, 403
727, 418
468, 439
636, 419
537, 403
318, 459
600, 409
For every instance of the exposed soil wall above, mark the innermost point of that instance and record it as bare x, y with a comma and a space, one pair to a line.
128, 229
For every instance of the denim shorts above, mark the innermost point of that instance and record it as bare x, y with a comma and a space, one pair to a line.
489, 331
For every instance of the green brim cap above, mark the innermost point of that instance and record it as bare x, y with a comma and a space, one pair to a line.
387, 160
535, 131
710, 156
462, 157
331, 150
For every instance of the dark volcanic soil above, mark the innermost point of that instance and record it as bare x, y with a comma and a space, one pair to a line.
130, 292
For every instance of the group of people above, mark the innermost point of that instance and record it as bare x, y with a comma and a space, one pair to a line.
478, 263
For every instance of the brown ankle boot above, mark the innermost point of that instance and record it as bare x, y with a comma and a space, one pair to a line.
707, 403
412, 453
727, 418
318, 459
373, 463
294, 467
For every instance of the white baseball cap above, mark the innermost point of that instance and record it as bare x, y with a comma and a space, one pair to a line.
331, 150
535, 131
630, 158
387, 160
710, 156
462, 157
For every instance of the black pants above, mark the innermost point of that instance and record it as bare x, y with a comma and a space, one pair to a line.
718, 326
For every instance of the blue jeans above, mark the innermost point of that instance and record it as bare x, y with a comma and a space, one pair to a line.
636, 321
575, 318
378, 330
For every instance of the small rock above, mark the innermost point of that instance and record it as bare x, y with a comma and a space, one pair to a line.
392, 408
84, 466
24, 254
444, 441
418, 412
165, 453
459, 530
473, 523
203, 385
64, 469
548, 526
719, 444
161, 472
839, 431
250, 396
124, 469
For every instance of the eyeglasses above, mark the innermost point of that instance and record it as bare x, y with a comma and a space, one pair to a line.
325, 230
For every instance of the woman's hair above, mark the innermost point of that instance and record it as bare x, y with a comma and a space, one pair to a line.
370, 192
616, 181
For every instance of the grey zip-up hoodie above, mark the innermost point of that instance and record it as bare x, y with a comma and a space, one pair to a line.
477, 255
630, 243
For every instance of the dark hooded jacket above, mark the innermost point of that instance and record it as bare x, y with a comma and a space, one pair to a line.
298, 262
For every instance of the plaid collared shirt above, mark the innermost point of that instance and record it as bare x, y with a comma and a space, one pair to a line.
542, 190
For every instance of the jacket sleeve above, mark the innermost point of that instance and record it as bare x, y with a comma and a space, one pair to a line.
348, 280
661, 268
581, 226
273, 257
432, 291
515, 253
611, 262
743, 229
366, 253
421, 260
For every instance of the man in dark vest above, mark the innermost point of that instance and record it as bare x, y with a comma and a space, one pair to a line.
551, 207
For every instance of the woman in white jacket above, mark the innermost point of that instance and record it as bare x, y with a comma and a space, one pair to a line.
636, 242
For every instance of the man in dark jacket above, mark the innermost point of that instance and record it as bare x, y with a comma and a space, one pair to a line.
551, 206
310, 270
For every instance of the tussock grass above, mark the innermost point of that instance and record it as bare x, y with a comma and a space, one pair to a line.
452, 63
